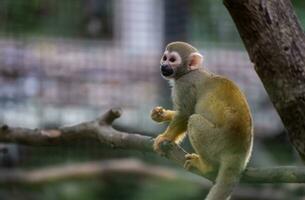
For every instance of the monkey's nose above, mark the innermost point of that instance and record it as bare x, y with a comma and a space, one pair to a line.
166, 70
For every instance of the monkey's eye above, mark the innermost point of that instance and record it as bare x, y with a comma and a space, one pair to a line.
164, 58
172, 59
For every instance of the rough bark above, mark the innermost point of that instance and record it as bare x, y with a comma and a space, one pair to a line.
275, 43
101, 129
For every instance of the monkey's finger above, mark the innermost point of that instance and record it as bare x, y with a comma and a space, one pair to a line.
187, 165
156, 114
155, 111
188, 156
191, 156
158, 150
156, 147
159, 110
157, 118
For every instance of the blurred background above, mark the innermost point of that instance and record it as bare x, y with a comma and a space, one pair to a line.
64, 62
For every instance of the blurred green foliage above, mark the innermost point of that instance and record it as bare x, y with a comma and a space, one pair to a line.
68, 18
169, 190
299, 6
109, 187
211, 22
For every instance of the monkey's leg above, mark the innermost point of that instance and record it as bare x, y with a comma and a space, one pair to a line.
199, 129
159, 114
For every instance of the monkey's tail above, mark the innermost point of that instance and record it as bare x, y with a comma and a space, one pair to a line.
226, 180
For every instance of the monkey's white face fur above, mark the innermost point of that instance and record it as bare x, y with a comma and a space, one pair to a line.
173, 58
171, 61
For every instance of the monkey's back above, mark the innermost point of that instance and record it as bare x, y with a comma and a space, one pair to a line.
223, 102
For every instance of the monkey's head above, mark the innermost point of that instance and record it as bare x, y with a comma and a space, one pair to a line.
178, 59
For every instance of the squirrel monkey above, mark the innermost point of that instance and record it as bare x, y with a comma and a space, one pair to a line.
215, 114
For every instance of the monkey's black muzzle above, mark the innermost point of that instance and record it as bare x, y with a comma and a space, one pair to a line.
166, 70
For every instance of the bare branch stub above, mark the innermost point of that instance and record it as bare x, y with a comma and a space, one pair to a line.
108, 117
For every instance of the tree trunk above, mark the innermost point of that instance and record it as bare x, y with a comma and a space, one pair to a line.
275, 42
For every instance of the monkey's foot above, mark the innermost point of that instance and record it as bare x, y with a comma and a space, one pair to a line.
193, 161
158, 140
158, 114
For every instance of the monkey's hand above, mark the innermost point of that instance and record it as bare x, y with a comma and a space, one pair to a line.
159, 114
158, 140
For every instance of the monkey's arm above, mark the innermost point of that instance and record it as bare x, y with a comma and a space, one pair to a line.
176, 127
159, 114
174, 131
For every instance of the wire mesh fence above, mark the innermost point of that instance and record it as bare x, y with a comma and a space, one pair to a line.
64, 62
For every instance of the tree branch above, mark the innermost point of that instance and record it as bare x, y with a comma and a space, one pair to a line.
102, 130
85, 171
99, 169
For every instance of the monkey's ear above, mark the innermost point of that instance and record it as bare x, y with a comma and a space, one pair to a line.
195, 61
